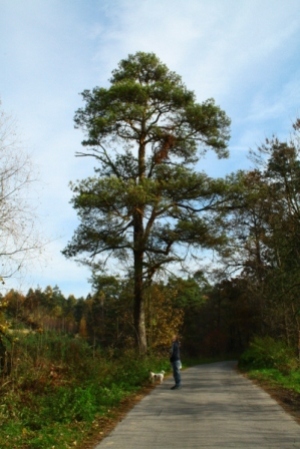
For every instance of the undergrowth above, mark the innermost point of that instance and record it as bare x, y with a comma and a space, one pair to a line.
59, 386
272, 361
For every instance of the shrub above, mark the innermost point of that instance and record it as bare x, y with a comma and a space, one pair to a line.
265, 352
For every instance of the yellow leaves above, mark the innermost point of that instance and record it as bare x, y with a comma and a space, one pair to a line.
3, 328
3, 304
163, 318
83, 331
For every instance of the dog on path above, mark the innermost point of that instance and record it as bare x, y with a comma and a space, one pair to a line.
157, 377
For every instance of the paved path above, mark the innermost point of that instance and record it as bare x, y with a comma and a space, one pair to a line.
215, 408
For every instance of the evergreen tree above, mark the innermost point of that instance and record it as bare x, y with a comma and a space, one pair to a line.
146, 132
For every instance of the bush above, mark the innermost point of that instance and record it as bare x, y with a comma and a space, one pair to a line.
268, 353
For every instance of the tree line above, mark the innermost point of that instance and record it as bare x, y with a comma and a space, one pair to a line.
210, 319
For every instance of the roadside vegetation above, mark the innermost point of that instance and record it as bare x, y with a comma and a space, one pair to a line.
269, 360
59, 388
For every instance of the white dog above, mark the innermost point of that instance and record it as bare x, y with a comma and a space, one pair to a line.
157, 377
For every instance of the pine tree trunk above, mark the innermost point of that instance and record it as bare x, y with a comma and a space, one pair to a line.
139, 305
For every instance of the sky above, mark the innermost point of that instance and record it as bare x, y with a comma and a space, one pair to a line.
243, 53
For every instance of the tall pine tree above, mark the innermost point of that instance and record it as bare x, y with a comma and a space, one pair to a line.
145, 201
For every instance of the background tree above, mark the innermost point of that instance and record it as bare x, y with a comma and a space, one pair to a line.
190, 296
265, 238
145, 203
163, 317
19, 239
108, 317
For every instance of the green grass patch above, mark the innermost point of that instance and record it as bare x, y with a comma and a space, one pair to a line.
58, 436
290, 381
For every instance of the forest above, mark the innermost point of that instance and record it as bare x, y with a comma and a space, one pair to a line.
66, 362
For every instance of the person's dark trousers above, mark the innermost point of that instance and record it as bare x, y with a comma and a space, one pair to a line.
176, 372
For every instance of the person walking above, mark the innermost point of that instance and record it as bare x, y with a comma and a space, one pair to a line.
175, 361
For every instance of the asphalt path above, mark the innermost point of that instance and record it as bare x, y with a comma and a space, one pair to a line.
216, 408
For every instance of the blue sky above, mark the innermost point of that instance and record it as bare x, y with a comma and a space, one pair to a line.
243, 53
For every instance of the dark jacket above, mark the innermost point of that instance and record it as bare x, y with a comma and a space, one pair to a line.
175, 352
